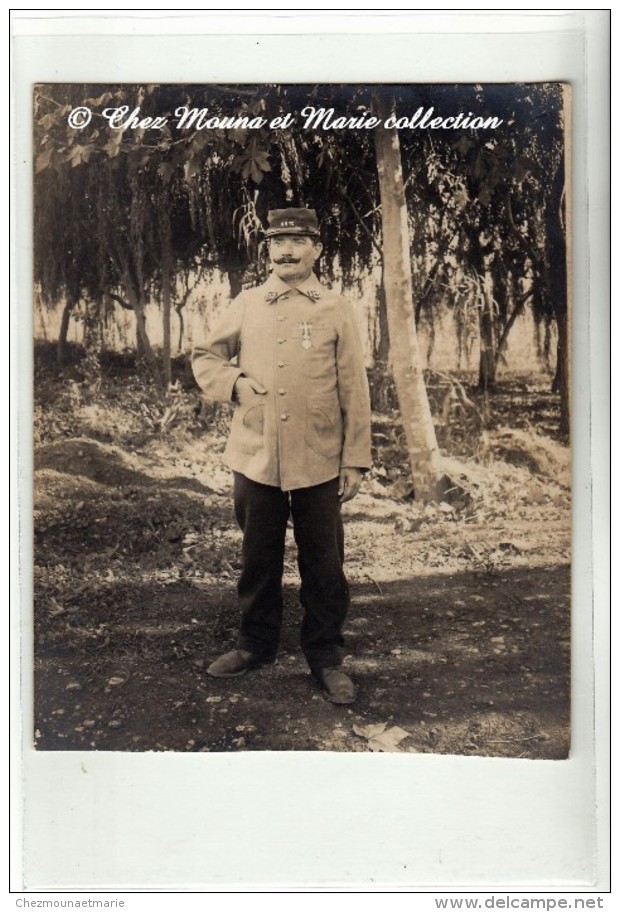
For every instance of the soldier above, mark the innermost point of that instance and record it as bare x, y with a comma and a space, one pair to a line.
288, 355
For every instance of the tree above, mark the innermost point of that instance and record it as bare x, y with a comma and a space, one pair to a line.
124, 202
494, 193
405, 355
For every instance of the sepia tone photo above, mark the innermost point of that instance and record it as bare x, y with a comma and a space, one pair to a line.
302, 418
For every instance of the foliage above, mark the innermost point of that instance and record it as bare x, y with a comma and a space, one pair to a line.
482, 205
221, 178
127, 215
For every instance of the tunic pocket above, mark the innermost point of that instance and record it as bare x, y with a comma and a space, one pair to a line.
247, 432
324, 427
254, 417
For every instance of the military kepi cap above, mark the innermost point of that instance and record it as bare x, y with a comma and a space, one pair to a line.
292, 221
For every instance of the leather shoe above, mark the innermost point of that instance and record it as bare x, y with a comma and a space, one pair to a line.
232, 664
338, 687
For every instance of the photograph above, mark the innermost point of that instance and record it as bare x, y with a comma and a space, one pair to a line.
302, 418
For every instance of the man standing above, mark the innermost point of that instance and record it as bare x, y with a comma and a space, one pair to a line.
288, 354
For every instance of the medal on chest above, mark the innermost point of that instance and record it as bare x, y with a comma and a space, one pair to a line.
306, 335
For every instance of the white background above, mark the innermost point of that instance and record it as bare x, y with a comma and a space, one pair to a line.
425, 823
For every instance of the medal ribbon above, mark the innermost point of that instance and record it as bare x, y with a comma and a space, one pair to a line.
306, 332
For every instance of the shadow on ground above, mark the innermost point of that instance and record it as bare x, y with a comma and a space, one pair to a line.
462, 663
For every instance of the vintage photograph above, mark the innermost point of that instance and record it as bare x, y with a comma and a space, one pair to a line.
302, 418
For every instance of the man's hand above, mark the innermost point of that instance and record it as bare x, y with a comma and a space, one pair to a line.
245, 389
350, 481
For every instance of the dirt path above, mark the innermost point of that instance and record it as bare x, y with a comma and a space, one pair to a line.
471, 674
458, 636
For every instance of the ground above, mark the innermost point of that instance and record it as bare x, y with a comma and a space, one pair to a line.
458, 635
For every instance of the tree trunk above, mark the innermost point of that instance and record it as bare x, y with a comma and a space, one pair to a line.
486, 373
166, 297
382, 352
557, 285
381, 374
61, 351
428, 481
147, 350
139, 343
518, 309
143, 344
166, 345
179, 311
562, 374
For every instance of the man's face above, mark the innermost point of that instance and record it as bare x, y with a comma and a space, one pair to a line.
293, 256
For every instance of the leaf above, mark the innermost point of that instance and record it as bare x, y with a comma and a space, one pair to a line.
48, 121
190, 169
521, 169
464, 145
117, 680
257, 107
237, 163
257, 174
199, 142
43, 160
56, 609
165, 171
461, 199
79, 154
380, 737
97, 102
484, 196
113, 145
401, 489
112, 148
239, 136
261, 159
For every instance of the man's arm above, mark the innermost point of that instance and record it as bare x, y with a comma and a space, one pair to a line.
354, 401
245, 389
212, 361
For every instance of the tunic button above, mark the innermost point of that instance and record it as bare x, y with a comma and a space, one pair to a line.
283, 417
281, 318
281, 392
280, 340
280, 363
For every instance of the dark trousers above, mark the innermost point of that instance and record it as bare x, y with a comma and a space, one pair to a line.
262, 512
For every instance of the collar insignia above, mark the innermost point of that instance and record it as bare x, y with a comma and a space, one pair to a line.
314, 295
271, 296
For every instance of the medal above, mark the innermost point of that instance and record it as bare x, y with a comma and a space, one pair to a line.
306, 332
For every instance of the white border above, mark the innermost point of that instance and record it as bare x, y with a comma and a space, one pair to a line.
418, 823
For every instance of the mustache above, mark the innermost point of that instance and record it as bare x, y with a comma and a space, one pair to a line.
282, 260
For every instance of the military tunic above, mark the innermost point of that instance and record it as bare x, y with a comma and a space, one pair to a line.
302, 345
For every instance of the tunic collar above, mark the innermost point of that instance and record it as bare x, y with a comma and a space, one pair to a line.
275, 287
